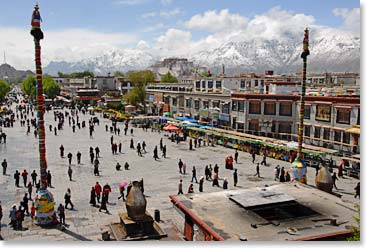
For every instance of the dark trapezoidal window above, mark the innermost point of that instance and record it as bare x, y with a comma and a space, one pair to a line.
283, 211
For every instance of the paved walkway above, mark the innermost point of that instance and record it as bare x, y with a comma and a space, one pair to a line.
160, 177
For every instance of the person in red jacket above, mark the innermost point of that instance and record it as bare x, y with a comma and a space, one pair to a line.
25, 175
98, 190
106, 191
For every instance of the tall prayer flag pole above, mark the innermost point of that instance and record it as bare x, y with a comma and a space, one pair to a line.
299, 167
44, 202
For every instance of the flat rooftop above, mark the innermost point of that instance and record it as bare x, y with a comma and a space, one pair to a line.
233, 213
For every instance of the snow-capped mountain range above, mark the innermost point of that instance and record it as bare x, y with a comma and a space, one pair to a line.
330, 51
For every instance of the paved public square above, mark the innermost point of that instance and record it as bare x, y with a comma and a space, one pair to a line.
161, 177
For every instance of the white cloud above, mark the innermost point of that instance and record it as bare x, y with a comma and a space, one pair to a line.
214, 21
278, 24
351, 18
68, 45
174, 41
77, 44
162, 13
129, 2
142, 45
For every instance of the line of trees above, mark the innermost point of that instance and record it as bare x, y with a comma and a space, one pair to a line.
76, 74
50, 88
4, 89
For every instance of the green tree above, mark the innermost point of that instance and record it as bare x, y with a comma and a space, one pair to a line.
136, 95
29, 86
4, 89
140, 76
50, 88
169, 78
139, 80
118, 74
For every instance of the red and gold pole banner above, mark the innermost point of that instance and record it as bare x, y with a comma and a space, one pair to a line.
299, 167
44, 202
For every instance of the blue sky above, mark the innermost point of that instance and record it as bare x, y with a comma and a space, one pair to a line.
126, 15
71, 26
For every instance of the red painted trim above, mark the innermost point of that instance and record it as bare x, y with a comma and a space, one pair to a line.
196, 219
326, 235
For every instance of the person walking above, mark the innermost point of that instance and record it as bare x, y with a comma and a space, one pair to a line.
225, 183
210, 171
236, 156
4, 164
180, 188
104, 203
91, 154
49, 178
263, 162
78, 156
106, 191
257, 170
164, 151
62, 151
180, 164
122, 189
70, 156
215, 180
19, 214
12, 216
282, 175
92, 200
96, 167
111, 139
61, 212
120, 147
191, 189
184, 168
287, 176
190, 144
358, 191
30, 188
98, 190
34, 177
155, 153
138, 148
194, 175
144, 146
235, 177
67, 198
161, 144
25, 176
25, 203
253, 157
201, 183
276, 172
70, 173
334, 177
206, 172
97, 152
132, 144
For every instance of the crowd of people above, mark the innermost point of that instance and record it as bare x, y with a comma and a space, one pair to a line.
99, 196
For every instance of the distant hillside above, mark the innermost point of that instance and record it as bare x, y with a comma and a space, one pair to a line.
13, 75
